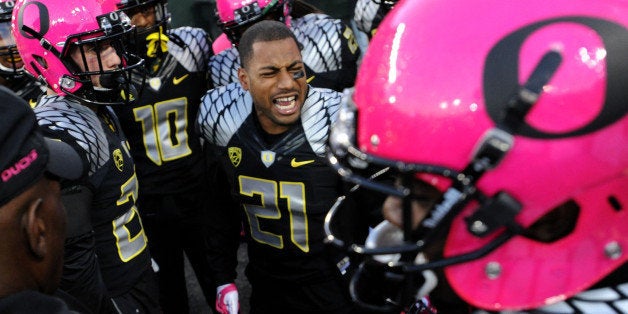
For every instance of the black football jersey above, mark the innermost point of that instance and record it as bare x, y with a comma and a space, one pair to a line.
330, 54
121, 244
285, 187
160, 125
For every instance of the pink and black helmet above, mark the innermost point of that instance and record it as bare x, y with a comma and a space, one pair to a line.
235, 16
46, 32
517, 112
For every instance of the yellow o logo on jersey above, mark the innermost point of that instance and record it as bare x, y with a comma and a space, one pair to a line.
118, 160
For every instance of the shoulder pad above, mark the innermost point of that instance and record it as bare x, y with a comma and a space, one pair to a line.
224, 67
195, 49
77, 125
222, 112
319, 111
322, 40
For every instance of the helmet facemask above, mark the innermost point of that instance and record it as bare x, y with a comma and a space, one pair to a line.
11, 65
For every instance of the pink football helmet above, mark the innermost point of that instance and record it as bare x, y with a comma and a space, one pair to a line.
11, 64
517, 112
235, 16
46, 31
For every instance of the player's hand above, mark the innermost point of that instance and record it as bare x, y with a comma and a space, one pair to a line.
227, 300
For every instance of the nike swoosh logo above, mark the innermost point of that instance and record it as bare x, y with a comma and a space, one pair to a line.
178, 80
294, 163
309, 79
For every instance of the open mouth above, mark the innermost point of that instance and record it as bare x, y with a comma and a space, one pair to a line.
286, 105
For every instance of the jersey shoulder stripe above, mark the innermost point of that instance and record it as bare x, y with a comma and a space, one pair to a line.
319, 111
71, 121
224, 67
222, 112
191, 47
321, 37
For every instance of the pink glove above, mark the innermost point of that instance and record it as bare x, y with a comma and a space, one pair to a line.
227, 300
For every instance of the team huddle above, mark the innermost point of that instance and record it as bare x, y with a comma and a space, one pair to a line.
468, 158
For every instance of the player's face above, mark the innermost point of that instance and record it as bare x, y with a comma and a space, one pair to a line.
108, 56
143, 17
6, 58
424, 197
275, 77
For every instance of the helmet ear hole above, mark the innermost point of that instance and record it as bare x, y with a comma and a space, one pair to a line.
41, 62
555, 224
615, 203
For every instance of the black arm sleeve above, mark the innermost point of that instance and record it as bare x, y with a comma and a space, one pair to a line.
225, 226
81, 274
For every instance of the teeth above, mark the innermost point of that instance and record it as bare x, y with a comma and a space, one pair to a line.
286, 99
291, 104
285, 103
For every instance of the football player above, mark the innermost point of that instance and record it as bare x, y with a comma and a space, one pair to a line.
330, 50
268, 132
12, 74
77, 48
167, 152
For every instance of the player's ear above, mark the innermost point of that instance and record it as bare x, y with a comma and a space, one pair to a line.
34, 227
244, 78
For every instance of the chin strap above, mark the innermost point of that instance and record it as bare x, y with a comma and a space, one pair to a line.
156, 42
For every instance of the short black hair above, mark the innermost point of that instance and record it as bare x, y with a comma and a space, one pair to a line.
266, 30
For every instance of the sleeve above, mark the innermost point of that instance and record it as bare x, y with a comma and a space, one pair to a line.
225, 224
81, 274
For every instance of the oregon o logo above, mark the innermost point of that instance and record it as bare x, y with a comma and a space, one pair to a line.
501, 70
44, 19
